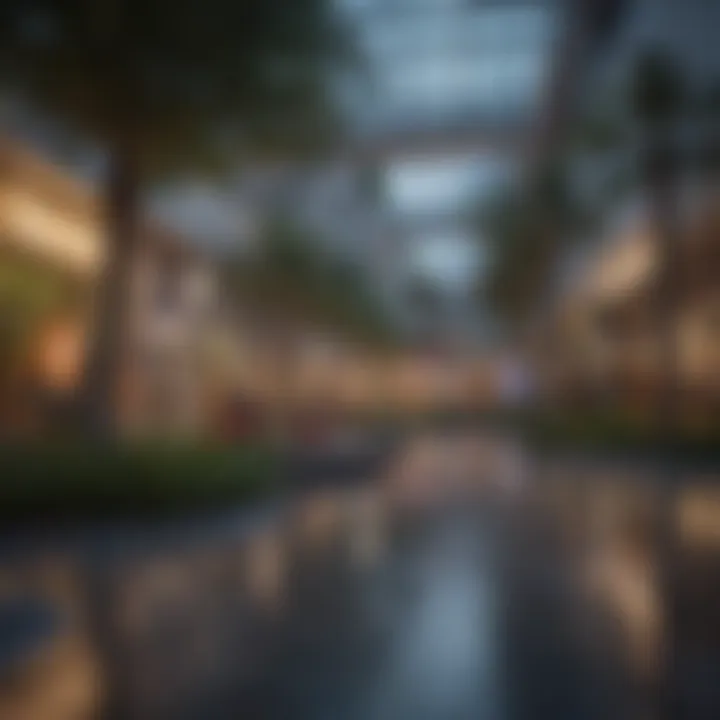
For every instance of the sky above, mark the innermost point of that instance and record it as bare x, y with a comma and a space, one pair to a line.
450, 259
435, 194
428, 61
434, 62
434, 58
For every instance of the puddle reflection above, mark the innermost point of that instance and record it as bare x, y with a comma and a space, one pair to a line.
266, 569
434, 592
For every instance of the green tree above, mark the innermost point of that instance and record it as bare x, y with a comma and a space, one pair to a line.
353, 306
659, 107
526, 230
427, 301
530, 228
293, 284
29, 296
294, 280
657, 98
662, 107
168, 86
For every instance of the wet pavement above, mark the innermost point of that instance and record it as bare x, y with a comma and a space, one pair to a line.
460, 583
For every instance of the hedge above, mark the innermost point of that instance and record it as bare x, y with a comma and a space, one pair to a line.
72, 482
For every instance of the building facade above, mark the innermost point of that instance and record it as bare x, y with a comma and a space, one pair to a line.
54, 222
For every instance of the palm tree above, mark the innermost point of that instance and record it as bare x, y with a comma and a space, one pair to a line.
293, 285
162, 87
659, 106
657, 99
528, 229
427, 301
295, 280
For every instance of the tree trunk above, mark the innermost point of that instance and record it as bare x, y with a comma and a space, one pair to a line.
567, 64
663, 195
109, 337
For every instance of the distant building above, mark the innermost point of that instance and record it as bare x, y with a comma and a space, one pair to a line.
602, 344
607, 313
50, 219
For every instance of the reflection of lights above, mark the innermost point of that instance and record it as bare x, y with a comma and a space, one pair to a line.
431, 470
62, 683
628, 583
699, 518
266, 569
449, 647
152, 586
319, 520
367, 539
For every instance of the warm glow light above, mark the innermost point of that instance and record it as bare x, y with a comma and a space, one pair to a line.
60, 355
624, 268
46, 232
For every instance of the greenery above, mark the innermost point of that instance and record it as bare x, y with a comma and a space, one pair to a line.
296, 281
428, 303
167, 87
74, 482
30, 295
526, 229
613, 434
531, 228
294, 284
181, 87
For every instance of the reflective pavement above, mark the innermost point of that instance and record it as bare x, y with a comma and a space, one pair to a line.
465, 582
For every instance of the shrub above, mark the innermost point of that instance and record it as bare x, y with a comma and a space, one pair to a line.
620, 434
71, 482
